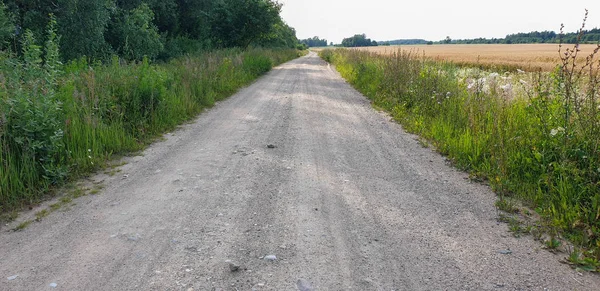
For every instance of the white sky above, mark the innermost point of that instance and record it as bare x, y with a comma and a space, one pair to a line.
434, 19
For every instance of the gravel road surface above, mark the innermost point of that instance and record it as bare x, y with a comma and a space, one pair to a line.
294, 183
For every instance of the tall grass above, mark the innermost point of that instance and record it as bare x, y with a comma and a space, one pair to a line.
60, 121
533, 136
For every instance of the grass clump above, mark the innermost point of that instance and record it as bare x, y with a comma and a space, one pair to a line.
533, 136
23, 225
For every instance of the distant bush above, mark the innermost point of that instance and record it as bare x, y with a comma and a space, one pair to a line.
358, 40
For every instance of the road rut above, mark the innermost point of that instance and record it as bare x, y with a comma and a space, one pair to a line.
344, 198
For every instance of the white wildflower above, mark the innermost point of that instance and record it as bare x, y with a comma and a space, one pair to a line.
523, 82
494, 75
520, 71
506, 87
556, 131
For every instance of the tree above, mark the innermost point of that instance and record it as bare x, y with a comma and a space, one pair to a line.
7, 27
238, 23
134, 34
280, 36
314, 42
32, 15
358, 40
82, 25
156, 28
448, 40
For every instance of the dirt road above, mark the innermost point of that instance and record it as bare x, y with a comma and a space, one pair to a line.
343, 200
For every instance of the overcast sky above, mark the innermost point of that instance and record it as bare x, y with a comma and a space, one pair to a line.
434, 19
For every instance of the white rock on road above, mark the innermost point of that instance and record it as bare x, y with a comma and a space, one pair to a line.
357, 204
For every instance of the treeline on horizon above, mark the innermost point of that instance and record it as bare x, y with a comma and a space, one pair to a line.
588, 36
314, 42
157, 29
358, 40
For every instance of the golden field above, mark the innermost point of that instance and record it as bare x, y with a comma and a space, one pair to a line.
527, 57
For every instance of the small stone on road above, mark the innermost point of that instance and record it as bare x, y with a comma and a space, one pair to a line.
304, 285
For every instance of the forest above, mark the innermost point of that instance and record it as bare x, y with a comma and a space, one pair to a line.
158, 29
588, 36
85, 81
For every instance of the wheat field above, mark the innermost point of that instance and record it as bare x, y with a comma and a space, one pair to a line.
527, 57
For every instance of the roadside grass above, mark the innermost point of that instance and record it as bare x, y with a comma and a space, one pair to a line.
60, 122
534, 137
72, 191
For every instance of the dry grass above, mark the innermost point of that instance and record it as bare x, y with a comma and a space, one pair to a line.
528, 57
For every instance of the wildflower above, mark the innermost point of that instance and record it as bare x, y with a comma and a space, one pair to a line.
494, 75
506, 87
89, 150
522, 82
520, 71
89, 157
448, 95
556, 131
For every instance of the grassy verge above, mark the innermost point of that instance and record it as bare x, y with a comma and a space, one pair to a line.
58, 122
534, 137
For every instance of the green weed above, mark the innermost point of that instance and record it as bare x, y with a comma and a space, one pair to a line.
9, 216
41, 214
23, 225
506, 205
552, 244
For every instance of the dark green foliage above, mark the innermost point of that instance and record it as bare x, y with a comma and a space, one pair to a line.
32, 126
239, 23
314, 42
358, 40
281, 35
133, 29
82, 26
7, 27
591, 36
134, 36
196, 18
